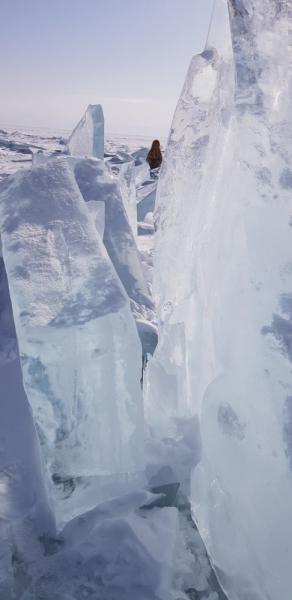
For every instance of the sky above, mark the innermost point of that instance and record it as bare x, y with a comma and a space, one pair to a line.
58, 56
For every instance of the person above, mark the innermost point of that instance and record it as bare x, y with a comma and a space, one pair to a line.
154, 156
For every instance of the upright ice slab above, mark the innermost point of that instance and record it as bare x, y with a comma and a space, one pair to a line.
121, 166
80, 352
146, 205
22, 481
96, 184
87, 139
224, 290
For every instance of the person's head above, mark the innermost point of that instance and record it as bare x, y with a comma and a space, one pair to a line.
155, 152
155, 145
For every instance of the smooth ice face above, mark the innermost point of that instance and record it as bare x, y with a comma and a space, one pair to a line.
79, 348
141, 172
97, 211
23, 490
223, 284
8, 342
146, 205
22, 480
141, 153
121, 167
87, 139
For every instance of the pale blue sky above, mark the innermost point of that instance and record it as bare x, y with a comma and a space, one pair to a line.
57, 56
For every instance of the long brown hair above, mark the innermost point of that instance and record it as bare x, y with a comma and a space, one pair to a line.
154, 152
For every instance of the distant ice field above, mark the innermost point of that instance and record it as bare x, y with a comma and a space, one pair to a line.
13, 158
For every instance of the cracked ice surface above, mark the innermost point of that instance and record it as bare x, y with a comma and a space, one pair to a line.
223, 285
79, 347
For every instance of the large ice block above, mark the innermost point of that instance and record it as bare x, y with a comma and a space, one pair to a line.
96, 184
79, 347
87, 139
222, 281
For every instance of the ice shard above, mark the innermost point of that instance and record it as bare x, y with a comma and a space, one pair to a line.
146, 204
141, 172
97, 211
222, 281
121, 166
87, 139
23, 485
140, 154
79, 347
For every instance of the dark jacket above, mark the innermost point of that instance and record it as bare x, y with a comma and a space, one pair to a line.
154, 163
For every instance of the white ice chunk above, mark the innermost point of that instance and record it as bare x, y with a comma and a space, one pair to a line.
148, 218
80, 351
87, 139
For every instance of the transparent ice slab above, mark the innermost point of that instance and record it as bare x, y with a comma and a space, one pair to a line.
222, 277
121, 166
97, 184
87, 139
79, 347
